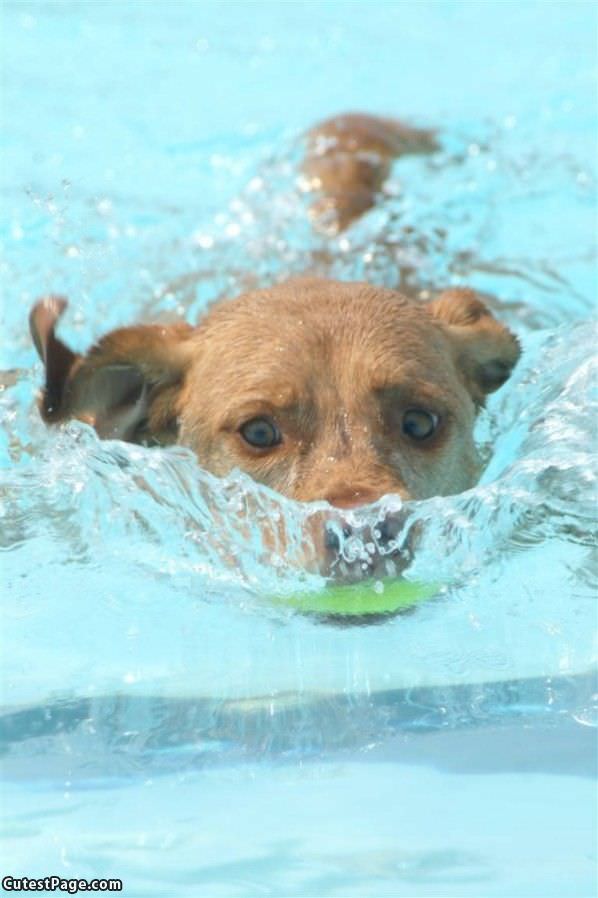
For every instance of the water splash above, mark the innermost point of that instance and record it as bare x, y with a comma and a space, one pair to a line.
134, 534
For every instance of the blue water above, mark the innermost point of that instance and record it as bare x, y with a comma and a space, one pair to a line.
161, 721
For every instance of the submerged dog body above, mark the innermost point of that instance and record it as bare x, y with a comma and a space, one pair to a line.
319, 389
347, 160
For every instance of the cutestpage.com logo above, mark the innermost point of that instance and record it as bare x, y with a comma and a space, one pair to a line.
58, 884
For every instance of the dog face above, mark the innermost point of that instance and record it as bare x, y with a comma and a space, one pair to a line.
321, 390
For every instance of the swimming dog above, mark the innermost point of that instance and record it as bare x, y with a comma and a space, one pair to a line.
320, 389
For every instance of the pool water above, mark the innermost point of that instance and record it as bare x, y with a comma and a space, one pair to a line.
162, 721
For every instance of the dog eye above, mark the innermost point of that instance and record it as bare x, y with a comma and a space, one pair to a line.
419, 424
261, 433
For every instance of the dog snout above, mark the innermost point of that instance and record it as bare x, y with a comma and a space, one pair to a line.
376, 548
383, 532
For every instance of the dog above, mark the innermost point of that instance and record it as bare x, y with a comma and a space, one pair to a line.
319, 389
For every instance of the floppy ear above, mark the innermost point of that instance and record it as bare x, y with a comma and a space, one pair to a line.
487, 351
125, 387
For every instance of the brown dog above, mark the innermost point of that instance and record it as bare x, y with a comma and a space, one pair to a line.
319, 389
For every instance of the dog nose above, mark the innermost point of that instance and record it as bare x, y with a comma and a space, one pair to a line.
332, 535
349, 497
383, 532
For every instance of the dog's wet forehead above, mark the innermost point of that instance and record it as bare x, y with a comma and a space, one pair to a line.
308, 340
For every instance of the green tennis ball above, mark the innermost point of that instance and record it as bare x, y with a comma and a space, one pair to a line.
361, 599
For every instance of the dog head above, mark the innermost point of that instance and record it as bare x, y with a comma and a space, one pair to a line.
321, 390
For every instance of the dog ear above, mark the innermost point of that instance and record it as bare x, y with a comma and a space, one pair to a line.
58, 359
126, 386
487, 351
